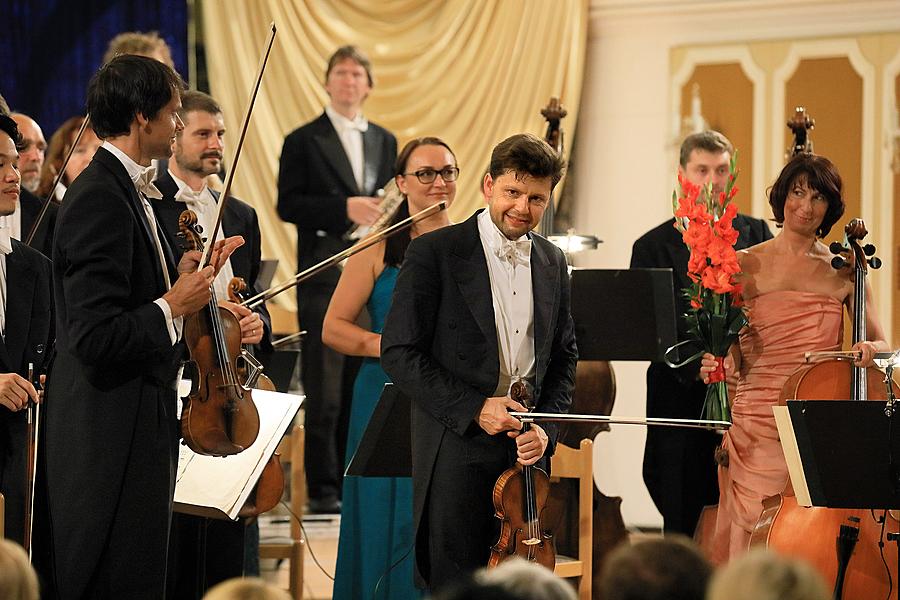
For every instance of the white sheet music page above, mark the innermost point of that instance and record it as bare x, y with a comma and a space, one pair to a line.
221, 485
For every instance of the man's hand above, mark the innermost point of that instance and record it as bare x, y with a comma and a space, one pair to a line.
190, 292
15, 391
363, 210
494, 416
531, 445
222, 250
251, 324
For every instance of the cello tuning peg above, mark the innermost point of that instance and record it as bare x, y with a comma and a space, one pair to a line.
869, 249
836, 247
838, 263
875, 262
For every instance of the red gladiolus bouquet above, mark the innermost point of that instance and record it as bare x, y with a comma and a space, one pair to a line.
717, 315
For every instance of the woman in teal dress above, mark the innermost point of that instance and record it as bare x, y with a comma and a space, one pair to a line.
375, 549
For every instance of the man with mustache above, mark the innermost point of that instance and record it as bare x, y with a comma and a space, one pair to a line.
197, 153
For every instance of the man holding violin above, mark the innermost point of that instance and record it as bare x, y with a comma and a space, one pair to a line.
197, 153
480, 309
111, 427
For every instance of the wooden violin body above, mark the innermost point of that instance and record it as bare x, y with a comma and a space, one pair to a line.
218, 416
521, 533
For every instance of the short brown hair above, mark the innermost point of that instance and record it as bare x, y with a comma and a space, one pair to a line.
142, 44
526, 154
354, 54
193, 100
57, 148
671, 567
821, 175
710, 141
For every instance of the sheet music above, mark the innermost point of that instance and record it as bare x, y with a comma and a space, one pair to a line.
225, 483
792, 454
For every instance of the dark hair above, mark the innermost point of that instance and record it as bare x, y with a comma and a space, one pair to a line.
193, 100
395, 246
526, 154
670, 568
126, 86
9, 127
354, 54
710, 141
469, 588
820, 175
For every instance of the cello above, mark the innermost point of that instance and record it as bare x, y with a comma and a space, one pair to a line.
849, 547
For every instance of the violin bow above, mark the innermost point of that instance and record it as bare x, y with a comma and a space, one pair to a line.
62, 171
34, 431
273, 291
204, 260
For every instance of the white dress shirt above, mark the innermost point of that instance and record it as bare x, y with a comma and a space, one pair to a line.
204, 206
139, 174
509, 268
350, 133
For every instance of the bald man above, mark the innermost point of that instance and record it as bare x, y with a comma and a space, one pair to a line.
31, 157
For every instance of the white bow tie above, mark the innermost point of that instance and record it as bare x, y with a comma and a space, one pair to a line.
516, 252
189, 196
360, 125
145, 185
5, 241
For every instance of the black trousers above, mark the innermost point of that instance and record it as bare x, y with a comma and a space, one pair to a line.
191, 572
459, 527
13, 458
327, 378
679, 465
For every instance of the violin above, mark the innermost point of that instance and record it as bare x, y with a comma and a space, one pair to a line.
269, 487
520, 496
850, 548
218, 417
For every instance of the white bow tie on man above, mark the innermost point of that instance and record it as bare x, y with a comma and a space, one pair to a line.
5, 241
145, 184
515, 252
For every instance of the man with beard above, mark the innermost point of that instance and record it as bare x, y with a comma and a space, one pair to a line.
197, 154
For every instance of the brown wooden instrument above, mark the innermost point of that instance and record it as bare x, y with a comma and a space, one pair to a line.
520, 495
848, 547
269, 487
218, 417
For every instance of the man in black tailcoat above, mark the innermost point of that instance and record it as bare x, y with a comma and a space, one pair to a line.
329, 173
679, 466
479, 309
111, 429
26, 325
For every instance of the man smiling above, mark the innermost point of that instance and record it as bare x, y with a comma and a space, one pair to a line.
479, 309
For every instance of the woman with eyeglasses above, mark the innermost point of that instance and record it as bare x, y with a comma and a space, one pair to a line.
376, 539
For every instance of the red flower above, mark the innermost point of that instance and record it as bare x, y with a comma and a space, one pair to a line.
717, 280
724, 228
721, 252
698, 235
697, 262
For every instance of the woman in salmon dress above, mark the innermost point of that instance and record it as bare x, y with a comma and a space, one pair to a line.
796, 303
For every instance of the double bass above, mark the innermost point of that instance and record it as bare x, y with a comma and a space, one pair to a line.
850, 548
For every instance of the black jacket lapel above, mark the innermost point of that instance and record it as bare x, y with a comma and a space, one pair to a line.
545, 290
330, 144
470, 271
20, 282
372, 157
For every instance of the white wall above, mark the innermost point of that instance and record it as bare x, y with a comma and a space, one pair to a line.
625, 157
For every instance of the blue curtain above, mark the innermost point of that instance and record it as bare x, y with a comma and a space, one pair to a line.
51, 48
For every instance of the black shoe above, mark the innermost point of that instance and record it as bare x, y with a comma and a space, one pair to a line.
324, 506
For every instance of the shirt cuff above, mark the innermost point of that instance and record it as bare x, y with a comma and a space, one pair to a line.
173, 324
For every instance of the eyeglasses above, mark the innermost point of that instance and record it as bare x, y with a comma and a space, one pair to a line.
429, 175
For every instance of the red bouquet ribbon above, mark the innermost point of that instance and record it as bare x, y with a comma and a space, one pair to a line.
719, 374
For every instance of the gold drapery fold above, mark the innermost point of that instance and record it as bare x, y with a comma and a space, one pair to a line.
469, 71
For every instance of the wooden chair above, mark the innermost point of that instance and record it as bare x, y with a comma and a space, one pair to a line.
291, 450
2, 516
578, 464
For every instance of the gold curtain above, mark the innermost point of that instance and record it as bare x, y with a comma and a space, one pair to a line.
469, 71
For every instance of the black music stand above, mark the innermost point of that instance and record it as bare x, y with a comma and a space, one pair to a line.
385, 449
623, 314
849, 453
